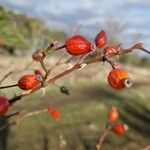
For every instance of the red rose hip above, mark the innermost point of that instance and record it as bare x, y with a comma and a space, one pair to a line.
54, 113
77, 45
101, 39
119, 79
113, 114
120, 129
28, 82
4, 105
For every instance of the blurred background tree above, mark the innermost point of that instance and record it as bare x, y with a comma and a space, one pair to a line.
21, 32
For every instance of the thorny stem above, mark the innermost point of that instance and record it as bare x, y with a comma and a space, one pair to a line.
77, 66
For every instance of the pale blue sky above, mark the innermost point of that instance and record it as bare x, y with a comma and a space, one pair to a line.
91, 14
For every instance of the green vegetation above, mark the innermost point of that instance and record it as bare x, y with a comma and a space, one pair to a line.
21, 32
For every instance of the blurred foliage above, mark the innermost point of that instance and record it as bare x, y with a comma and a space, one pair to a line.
135, 60
21, 32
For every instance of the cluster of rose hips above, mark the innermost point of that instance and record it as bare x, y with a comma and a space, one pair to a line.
78, 45
75, 45
117, 128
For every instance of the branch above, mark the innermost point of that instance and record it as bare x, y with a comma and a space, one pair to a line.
75, 67
8, 86
12, 72
138, 46
102, 139
59, 48
23, 116
6, 76
113, 64
47, 71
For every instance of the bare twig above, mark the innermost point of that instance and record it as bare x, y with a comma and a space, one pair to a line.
23, 116
11, 115
102, 139
13, 72
6, 76
8, 86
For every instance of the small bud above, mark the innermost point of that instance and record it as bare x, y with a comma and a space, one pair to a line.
110, 50
37, 56
101, 39
82, 66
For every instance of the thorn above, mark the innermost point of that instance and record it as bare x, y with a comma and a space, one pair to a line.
43, 91
82, 66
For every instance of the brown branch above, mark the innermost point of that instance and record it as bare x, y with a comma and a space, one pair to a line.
25, 68
102, 139
75, 67
8, 86
13, 72
47, 71
138, 46
6, 76
113, 64
11, 115
60, 47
